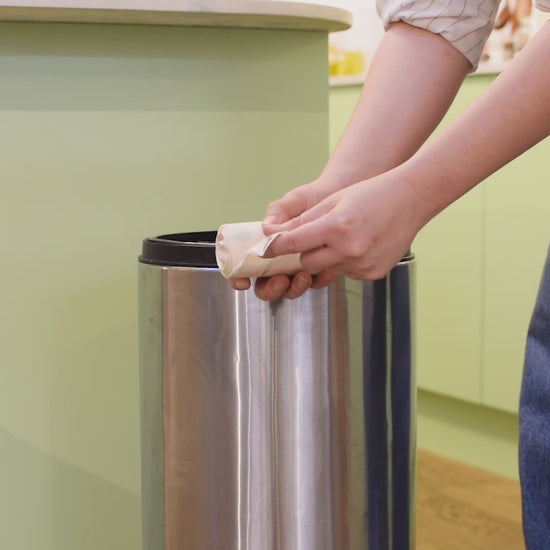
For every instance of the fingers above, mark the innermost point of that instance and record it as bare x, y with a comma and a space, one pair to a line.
320, 259
277, 286
240, 284
299, 285
271, 288
305, 238
302, 282
314, 214
354, 268
323, 279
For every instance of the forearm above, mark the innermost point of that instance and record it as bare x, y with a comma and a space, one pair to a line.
509, 118
412, 80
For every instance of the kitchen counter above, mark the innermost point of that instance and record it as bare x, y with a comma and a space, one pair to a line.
460, 507
177, 119
211, 13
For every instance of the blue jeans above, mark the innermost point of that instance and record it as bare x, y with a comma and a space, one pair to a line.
534, 423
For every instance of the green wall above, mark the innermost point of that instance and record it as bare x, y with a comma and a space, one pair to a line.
111, 134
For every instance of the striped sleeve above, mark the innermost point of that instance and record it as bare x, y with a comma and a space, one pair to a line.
542, 5
466, 24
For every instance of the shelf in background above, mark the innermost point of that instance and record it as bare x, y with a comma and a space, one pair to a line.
347, 80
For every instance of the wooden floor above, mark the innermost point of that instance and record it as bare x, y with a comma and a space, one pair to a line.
460, 507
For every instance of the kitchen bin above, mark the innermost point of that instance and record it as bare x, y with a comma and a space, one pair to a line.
273, 426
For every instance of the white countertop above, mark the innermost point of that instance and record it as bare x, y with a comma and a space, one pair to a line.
272, 14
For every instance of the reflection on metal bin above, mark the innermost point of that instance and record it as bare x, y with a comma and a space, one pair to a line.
273, 426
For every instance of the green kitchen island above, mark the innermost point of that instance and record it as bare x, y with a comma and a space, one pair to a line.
124, 119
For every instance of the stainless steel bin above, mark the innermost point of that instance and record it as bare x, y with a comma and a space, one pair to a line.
273, 426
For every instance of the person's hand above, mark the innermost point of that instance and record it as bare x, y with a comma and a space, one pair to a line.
285, 286
361, 231
288, 207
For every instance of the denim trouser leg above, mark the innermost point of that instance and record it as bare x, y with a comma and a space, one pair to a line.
534, 423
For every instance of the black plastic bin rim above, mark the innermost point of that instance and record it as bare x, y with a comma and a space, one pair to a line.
196, 249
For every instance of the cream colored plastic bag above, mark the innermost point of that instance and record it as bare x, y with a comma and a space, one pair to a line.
240, 248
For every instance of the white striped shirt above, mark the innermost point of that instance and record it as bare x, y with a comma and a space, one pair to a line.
466, 24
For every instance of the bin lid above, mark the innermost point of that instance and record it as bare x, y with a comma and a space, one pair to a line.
196, 249
181, 250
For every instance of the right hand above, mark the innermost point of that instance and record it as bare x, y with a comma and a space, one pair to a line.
288, 207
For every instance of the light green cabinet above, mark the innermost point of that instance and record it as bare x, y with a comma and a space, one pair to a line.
449, 255
110, 134
450, 251
517, 234
479, 265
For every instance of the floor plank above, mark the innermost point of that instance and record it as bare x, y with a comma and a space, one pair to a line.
460, 507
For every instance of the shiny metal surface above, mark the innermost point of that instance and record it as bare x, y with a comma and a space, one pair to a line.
284, 426
389, 393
